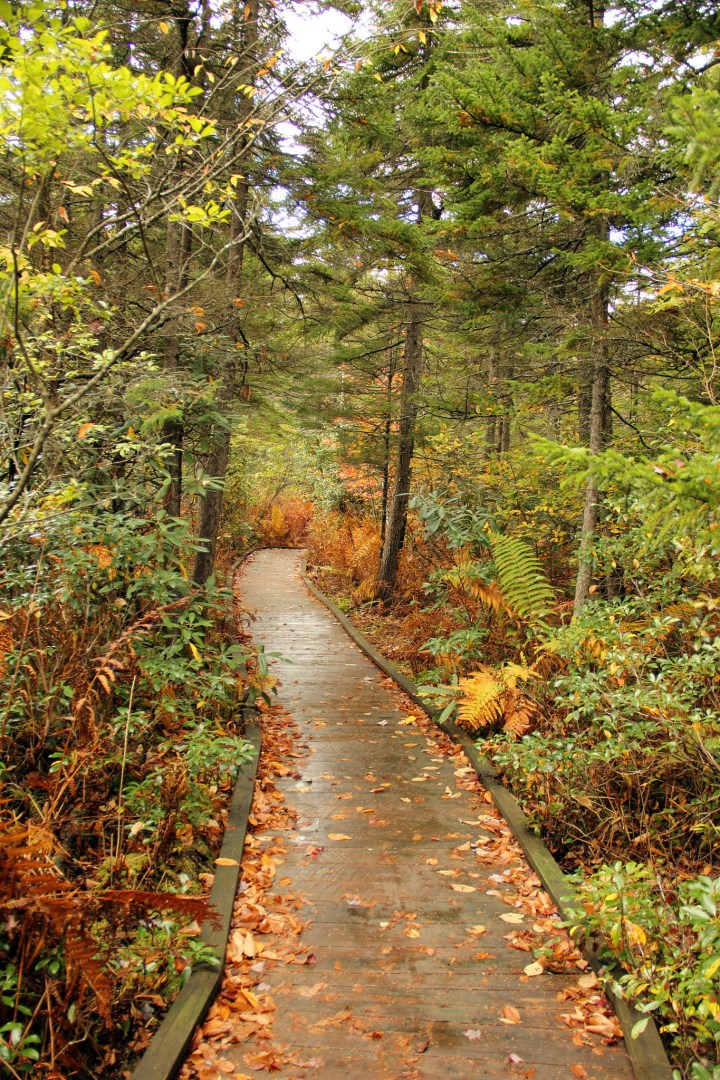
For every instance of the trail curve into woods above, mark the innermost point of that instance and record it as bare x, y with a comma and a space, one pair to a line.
416, 915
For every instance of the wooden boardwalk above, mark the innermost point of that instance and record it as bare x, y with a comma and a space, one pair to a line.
414, 892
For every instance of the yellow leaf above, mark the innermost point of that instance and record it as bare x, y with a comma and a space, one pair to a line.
672, 286
463, 888
194, 651
250, 998
226, 862
338, 836
84, 429
712, 968
412, 932
423, 36
636, 934
164, 28
534, 969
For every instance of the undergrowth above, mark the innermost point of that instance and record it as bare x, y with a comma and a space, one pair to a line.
120, 737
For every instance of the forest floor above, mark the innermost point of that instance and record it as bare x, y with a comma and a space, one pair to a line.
387, 924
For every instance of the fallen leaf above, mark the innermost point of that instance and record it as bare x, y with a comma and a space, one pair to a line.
338, 836
472, 1034
534, 969
510, 1015
513, 917
603, 1025
310, 991
464, 888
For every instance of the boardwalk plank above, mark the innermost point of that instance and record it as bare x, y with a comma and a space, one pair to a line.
397, 980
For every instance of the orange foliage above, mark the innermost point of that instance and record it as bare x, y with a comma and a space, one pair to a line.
343, 556
285, 523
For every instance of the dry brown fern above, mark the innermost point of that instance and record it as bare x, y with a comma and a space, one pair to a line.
490, 698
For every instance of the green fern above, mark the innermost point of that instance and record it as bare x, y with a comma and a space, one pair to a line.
521, 578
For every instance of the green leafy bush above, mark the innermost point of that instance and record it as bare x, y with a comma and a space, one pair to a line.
666, 938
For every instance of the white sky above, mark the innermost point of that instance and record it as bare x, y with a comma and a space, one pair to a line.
313, 35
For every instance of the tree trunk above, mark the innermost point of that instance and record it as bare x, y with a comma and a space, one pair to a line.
216, 461
397, 512
387, 432
178, 248
491, 422
503, 430
584, 403
599, 412
179, 245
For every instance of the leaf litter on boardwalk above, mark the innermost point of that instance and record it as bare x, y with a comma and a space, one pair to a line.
590, 1013
265, 930
266, 927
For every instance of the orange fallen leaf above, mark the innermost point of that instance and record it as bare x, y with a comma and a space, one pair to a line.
510, 1015
338, 836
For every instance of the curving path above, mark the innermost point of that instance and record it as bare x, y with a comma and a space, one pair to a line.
414, 973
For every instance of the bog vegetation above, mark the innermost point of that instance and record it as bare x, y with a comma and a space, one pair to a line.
442, 304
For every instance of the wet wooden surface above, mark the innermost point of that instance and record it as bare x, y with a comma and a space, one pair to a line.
403, 981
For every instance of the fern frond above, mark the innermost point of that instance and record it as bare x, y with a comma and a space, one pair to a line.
465, 576
365, 590
521, 578
364, 558
489, 596
510, 673
491, 697
520, 715
481, 702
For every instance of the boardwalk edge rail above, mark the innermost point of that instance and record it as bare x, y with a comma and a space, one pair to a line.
646, 1052
168, 1047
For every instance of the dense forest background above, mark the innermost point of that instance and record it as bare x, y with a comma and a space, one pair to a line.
441, 304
